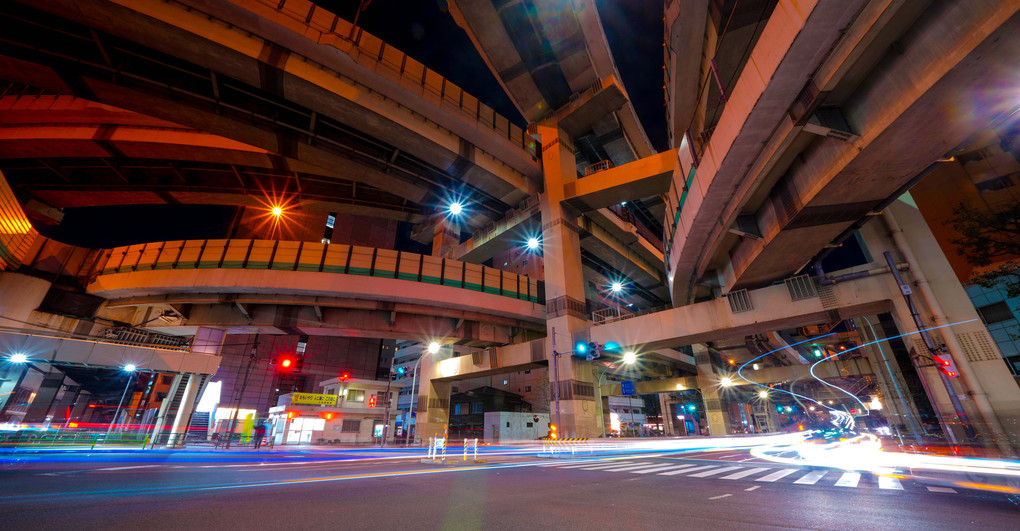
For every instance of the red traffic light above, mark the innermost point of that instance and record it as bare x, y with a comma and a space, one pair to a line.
286, 363
371, 401
345, 376
946, 365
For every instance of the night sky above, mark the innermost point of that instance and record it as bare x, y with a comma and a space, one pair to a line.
424, 30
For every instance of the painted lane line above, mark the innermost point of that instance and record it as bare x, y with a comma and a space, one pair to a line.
777, 475
718, 497
946, 490
576, 465
749, 489
811, 477
661, 468
745, 473
849, 479
889, 483
675, 472
707, 473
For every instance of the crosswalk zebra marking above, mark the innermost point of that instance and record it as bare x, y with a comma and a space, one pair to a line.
707, 473
613, 465
889, 483
811, 477
675, 472
745, 473
848, 479
777, 475
659, 469
629, 467
946, 490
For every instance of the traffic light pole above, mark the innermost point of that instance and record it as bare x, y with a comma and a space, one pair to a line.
386, 403
244, 385
556, 377
961, 414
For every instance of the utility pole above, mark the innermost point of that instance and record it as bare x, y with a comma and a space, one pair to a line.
386, 402
244, 385
556, 378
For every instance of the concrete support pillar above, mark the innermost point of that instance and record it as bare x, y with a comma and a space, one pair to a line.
183, 417
668, 417
446, 237
433, 407
566, 312
80, 407
985, 384
44, 397
12, 377
165, 411
708, 382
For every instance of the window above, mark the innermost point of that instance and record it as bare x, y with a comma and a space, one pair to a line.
476, 407
351, 426
995, 184
160, 397
527, 371
995, 313
530, 424
355, 395
456, 409
527, 388
507, 424
166, 379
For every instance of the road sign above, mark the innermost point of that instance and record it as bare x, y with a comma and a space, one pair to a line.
627, 388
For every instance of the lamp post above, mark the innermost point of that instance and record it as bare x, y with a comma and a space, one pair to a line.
130, 369
433, 348
629, 358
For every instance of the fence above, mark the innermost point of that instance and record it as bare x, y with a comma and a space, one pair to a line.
321, 257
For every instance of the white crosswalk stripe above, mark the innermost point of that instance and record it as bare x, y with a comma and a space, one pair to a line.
744, 473
889, 483
708, 473
946, 490
675, 472
629, 468
659, 469
848, 479
612, 465
777, 475
811, 477
589, 463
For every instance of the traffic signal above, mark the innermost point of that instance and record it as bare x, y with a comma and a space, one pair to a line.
286, 364
401, 371
946, 365
371, 401
552, 432
581, 348
345, 376
818, 352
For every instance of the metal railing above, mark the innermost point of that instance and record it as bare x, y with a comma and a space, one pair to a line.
185, 342
323, 258
23, 439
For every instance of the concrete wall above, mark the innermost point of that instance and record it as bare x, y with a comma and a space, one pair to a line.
504, 426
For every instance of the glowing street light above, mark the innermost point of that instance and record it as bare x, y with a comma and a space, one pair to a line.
130, 367
433, 347
277, 211
18, 358
763, 394
532, 243
726, 381
455, 208
616, 287
629, 357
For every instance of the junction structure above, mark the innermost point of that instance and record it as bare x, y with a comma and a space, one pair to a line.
776, 231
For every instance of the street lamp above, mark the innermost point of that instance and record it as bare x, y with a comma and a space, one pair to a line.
432, 348
616, 287
726, 381
763, 394
455, 208
18, 358
277, 211
130, 368
532, 243
629, 357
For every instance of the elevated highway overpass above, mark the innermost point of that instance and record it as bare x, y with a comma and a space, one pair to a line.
285, 80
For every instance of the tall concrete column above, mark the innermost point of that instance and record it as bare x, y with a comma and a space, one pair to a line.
165, 411
567, 319
446, 237
666, 412
433, 407
708, 381
183, 417
44, 397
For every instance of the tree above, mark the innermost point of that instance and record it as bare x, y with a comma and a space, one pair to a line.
990, 237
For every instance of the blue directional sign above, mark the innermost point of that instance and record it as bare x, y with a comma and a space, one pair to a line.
627, 388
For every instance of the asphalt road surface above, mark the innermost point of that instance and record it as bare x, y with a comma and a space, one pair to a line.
720, 490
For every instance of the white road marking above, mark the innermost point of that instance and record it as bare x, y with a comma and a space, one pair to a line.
707, 473
675, 472
749, 489
126, 467
811, 477
886, 482
629, 467
777, 475
722, 496
745, 473
611, 465
946, 490
661, 468
589, 463
849, 479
